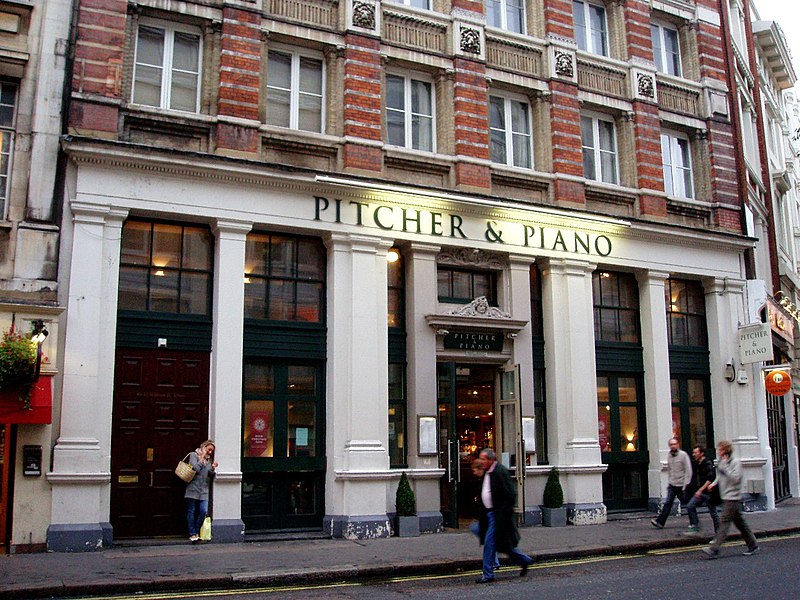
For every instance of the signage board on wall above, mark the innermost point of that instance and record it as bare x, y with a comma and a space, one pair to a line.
474, 340
755, 343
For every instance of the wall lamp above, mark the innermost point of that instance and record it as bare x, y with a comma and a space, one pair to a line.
38, 336
730, 370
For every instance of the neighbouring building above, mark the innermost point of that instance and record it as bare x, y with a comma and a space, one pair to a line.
347, 240
33, 56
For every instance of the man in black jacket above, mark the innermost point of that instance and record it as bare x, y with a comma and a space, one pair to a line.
702, 477
498, 531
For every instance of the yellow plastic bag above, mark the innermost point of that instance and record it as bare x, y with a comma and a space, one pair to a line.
205, 530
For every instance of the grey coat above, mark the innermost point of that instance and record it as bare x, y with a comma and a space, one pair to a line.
204, 473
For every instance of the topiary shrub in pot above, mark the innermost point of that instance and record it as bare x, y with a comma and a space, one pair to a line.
407, 521
554, 514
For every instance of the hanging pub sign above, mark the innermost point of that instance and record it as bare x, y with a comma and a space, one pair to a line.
780, 321
485, 341
755, 343
777, 382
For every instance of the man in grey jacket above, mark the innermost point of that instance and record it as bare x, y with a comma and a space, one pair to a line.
729, 480
679, 471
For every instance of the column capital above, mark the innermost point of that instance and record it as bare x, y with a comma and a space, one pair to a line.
357, 242
520, 260
567, 266
96, 214
229, 228
646, 276
423, 249
723, 285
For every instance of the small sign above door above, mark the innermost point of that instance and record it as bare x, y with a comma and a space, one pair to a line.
474, 340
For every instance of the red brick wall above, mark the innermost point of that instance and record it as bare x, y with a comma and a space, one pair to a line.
363, 101
240, 64
558, 18
565, 117
637, 28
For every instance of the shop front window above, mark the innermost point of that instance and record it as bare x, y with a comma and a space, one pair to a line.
463, 286
616, 307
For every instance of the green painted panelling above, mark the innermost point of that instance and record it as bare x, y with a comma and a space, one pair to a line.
688, 361
397, 346
143, 330
619, 357
538, 353
295, 340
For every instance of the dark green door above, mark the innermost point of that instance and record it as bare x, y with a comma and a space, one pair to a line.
283, 445
622, 436
448, 443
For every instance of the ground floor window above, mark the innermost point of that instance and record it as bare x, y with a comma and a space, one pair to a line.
397, 415
691, 412
283, 445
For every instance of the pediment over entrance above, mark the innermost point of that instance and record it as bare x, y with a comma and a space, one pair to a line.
477, 313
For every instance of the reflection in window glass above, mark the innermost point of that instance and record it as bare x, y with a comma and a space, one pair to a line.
301, 497
301, 435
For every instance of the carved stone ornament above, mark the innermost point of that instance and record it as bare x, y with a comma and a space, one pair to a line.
480, 308
461, 257
564, 66
646, 85
470, 40
363, 14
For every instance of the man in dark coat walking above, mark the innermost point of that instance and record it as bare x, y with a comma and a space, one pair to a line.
498, 531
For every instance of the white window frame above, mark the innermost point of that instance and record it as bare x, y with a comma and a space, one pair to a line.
663, 59
509, 133
597, 152
294, 89
407, 78
415, 3
672, 163
11, 131
504, 16
170, 29
587, 40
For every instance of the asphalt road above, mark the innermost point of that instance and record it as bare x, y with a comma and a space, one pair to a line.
663, 574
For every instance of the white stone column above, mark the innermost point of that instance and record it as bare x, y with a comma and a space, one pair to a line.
421, 300
571, 382
225, 384
357, 387
657, 391
739, 410
81, 474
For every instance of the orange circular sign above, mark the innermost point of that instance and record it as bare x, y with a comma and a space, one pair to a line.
778, 382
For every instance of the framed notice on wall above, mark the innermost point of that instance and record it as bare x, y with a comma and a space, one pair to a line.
427, 436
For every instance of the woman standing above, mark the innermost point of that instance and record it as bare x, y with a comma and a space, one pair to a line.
202, 461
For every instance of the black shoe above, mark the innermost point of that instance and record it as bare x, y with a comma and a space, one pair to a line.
710, 552
656, 524
524, 570
483, 579
751, 551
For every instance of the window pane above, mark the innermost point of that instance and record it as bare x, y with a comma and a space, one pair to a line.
186, 52
281, 300
259, 429
629, 428
580, 24
255, 303
697, 426
394, 92
310, 76
494, 13
497, 117
135, 243
422, 133
183, 92
278, 107
132, 288
309, 116
279, 70
697, 331
603, 415
310, 260
196, 248
462, 285
606, 130
522, 151
150, 46
421, 98
515, 16
301, 497
626, 389
395, 128
627, 326
696, 391
597, 20
309, 302
395, 305
302, 428
167, 245
147, 86
497, 141
259, 378
672, 50
164, 290
194, 293
588, 164
302, 380
8, 94
443, 283
482, 285
256, 254
397, 434
655, 36
282, 256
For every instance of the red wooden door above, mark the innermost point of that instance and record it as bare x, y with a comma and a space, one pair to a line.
5, 478
160, 414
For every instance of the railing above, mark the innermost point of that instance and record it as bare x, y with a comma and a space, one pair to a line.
414, 31
513, 56
674, 97
309, 12
601, 78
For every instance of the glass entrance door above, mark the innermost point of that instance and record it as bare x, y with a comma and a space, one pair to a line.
466, 401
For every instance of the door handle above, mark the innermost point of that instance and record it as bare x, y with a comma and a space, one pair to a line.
151, 479
449, 462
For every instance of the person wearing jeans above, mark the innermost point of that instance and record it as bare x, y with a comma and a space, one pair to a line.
679, 470
202, 461
702, 476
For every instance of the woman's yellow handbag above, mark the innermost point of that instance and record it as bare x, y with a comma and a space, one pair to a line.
184, 470
205, 530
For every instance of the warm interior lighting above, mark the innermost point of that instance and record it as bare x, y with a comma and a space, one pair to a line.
605, 275
247, 279
393, 255
159, 273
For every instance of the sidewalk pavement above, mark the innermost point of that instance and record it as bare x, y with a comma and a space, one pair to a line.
174, 566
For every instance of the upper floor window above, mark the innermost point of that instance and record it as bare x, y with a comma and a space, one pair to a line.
423, 4
409, 113
666, 49
506, 14
165, 268
8, 119
677, 164
461, 285
167, 66
598, 140
295, 89
616, 307
284, 278
591, 29
686, 313
510, 131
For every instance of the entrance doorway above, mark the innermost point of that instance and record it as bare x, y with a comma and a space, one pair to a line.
160, 414
466, 405
776, 427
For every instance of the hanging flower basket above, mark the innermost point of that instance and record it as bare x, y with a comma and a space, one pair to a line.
17, 367
40, 409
